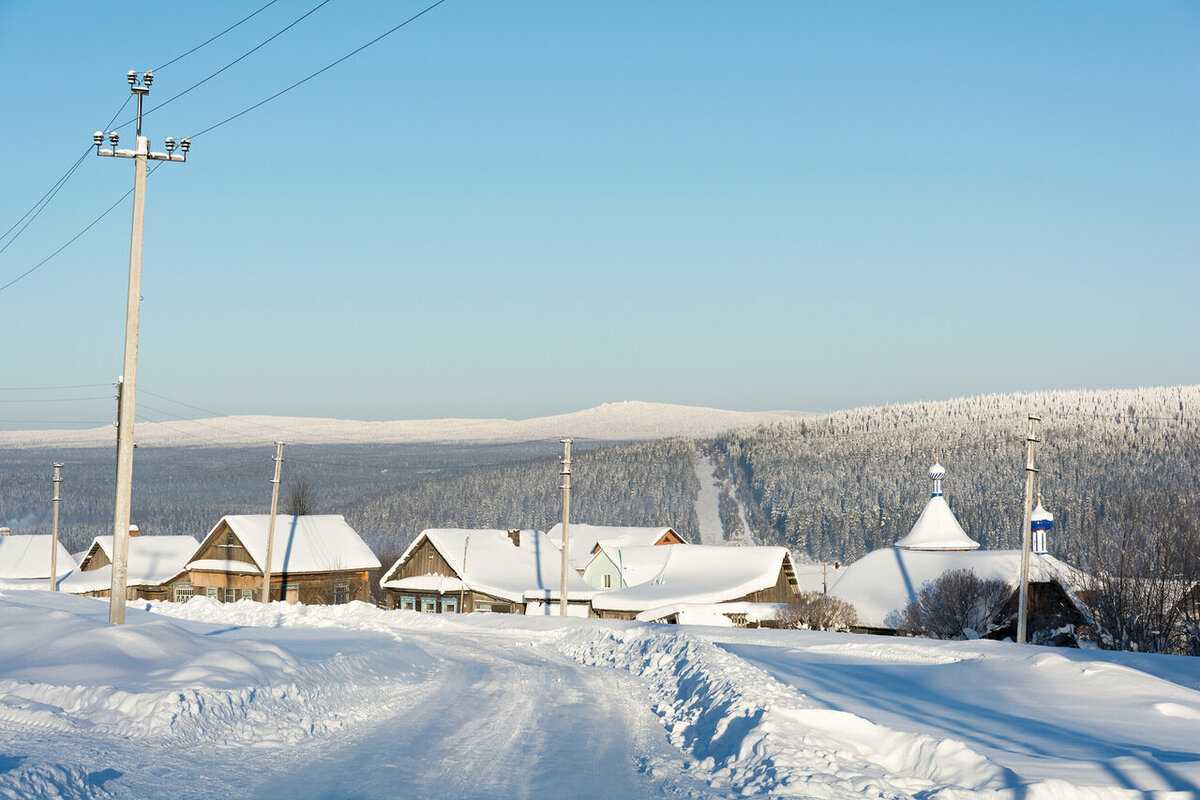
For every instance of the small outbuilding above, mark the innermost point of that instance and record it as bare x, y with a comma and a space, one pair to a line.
152, 561
316, 559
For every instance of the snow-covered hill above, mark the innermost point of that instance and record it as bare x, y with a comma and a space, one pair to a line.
629, 420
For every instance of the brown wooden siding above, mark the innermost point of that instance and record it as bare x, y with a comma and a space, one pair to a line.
315, 588
95, 559
225, 546
424, 560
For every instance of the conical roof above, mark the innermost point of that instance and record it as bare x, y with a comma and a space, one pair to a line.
937, 528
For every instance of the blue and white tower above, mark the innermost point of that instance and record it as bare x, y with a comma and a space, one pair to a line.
1042, 523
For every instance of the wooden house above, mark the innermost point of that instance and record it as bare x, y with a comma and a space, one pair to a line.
699, 575
152, 561
315, 559
459, 570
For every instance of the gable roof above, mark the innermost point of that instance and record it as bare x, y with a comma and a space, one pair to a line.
309, 543
28, 556
486, 560
698, 573
885, 580
152, 561
937, 529
585, 538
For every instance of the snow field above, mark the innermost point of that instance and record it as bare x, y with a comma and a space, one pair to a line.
755, 736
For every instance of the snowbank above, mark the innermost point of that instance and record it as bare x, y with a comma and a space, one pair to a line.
64, 669
756, 736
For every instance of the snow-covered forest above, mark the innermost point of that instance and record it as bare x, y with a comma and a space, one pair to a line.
831, 486
839, 485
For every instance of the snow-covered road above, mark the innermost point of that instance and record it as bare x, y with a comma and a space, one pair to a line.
244, 700
495, 721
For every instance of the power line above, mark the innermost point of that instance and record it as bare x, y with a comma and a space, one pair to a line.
240, 58
229, 119
77, 236
207, 42
37, 208
56, 399
323, 69
51, 388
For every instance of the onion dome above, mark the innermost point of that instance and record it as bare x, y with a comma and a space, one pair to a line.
937, 528
936, 473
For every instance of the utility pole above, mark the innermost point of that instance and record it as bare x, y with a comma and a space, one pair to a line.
1031, 443
566, 537
266, 587
55, 499
140, 155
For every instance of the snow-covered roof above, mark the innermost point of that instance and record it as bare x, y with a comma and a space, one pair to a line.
585, 538
28, 556
937, 529
425, 583
487, 561
701, 574
712, 614
309, 543
152, 561
636, 564
885, 580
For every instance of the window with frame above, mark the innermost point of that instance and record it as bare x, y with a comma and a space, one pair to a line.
449, 605
211, 591
231, 595
247, 594
341, 593
408, 602
183, 592
608, 580
429, 605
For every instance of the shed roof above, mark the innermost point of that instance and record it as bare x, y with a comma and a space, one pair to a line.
702, 574
152, 561
887, 579
28, 556
308, 543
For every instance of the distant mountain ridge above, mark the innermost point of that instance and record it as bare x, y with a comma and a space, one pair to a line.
631, 420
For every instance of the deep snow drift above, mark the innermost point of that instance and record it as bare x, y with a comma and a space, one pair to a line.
246, 700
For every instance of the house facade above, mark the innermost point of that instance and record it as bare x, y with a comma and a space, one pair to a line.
457, 570
315, 560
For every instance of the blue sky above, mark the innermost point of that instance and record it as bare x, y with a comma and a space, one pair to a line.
525, 208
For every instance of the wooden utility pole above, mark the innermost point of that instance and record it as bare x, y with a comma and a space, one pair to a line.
1031, 443
133, 303
566, 523
266, 586
55, 499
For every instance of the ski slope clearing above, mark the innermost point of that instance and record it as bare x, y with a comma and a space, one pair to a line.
625, 421
245, 700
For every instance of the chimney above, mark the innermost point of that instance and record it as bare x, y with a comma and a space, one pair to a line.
134, 530
5, 531
514, 536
